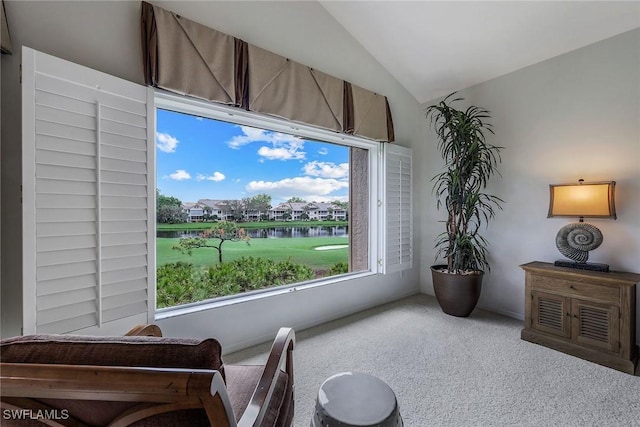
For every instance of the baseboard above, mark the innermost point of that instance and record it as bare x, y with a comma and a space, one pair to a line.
344, 313
507, 313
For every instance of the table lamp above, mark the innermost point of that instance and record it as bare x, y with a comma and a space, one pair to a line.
582, 200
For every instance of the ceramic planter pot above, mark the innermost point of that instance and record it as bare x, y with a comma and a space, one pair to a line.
457, 294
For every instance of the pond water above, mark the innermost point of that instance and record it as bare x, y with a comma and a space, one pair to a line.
270, 232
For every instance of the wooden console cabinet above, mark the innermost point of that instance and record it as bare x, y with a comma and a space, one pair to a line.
591, 315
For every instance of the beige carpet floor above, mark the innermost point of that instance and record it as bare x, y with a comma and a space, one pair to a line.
449, 371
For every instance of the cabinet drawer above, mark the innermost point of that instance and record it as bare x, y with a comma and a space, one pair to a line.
600, 293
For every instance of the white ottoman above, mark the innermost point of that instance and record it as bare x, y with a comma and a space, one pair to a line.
354, 399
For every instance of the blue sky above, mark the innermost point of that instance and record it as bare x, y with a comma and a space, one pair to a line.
199, 158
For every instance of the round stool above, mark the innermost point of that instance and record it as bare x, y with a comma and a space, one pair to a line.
355, 399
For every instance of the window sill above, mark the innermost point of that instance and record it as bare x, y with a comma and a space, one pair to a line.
169, 312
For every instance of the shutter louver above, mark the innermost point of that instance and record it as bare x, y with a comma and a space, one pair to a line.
123, 213
398, 238
594, 323
86, 178
550, 314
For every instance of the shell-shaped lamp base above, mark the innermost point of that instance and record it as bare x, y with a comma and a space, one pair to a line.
575, 240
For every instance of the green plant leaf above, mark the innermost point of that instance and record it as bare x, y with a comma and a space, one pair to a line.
469, 162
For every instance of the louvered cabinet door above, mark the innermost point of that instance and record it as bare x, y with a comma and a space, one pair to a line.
596, 325
550, 313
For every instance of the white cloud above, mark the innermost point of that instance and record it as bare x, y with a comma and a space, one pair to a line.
250, 134
166, 142
282, 146
304, 187
286, 152
323, 151
326, 169
179, 175
216, 177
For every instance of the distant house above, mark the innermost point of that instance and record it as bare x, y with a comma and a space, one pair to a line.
299, 211
216, 209
210, 209
222, 210
195, 212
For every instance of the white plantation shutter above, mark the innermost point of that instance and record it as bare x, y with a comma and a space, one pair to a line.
397, 233
87, 199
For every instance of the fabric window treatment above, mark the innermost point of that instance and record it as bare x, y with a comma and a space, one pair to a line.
285, 88
368, 114
188, 58
185, 57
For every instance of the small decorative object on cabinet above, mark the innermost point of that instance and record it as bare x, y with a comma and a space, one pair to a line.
588, 314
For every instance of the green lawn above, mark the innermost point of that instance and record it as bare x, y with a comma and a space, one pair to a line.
299, 250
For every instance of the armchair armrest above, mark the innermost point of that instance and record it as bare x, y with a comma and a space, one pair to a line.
281, 353
145, 330
164, 389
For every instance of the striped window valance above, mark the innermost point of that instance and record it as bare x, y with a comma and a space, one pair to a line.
189, 58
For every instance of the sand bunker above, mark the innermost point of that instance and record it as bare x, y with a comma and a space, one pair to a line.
330, 247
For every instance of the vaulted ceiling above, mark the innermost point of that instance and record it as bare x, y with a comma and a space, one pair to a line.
436, 47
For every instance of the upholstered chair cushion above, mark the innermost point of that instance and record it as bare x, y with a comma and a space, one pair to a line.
153, 352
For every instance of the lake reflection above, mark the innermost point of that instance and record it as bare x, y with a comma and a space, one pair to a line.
270, 232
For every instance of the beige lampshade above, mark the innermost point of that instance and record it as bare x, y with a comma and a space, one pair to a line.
591, 200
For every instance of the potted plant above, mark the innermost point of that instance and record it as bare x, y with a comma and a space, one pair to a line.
470, 161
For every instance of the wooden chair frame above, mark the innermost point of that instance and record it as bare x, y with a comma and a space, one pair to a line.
159, 389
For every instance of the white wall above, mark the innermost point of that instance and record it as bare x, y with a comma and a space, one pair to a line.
106, 36
573, 116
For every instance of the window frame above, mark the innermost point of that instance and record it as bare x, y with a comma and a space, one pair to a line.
181, 104
103, 85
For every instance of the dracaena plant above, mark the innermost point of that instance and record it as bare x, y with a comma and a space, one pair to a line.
470, 161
